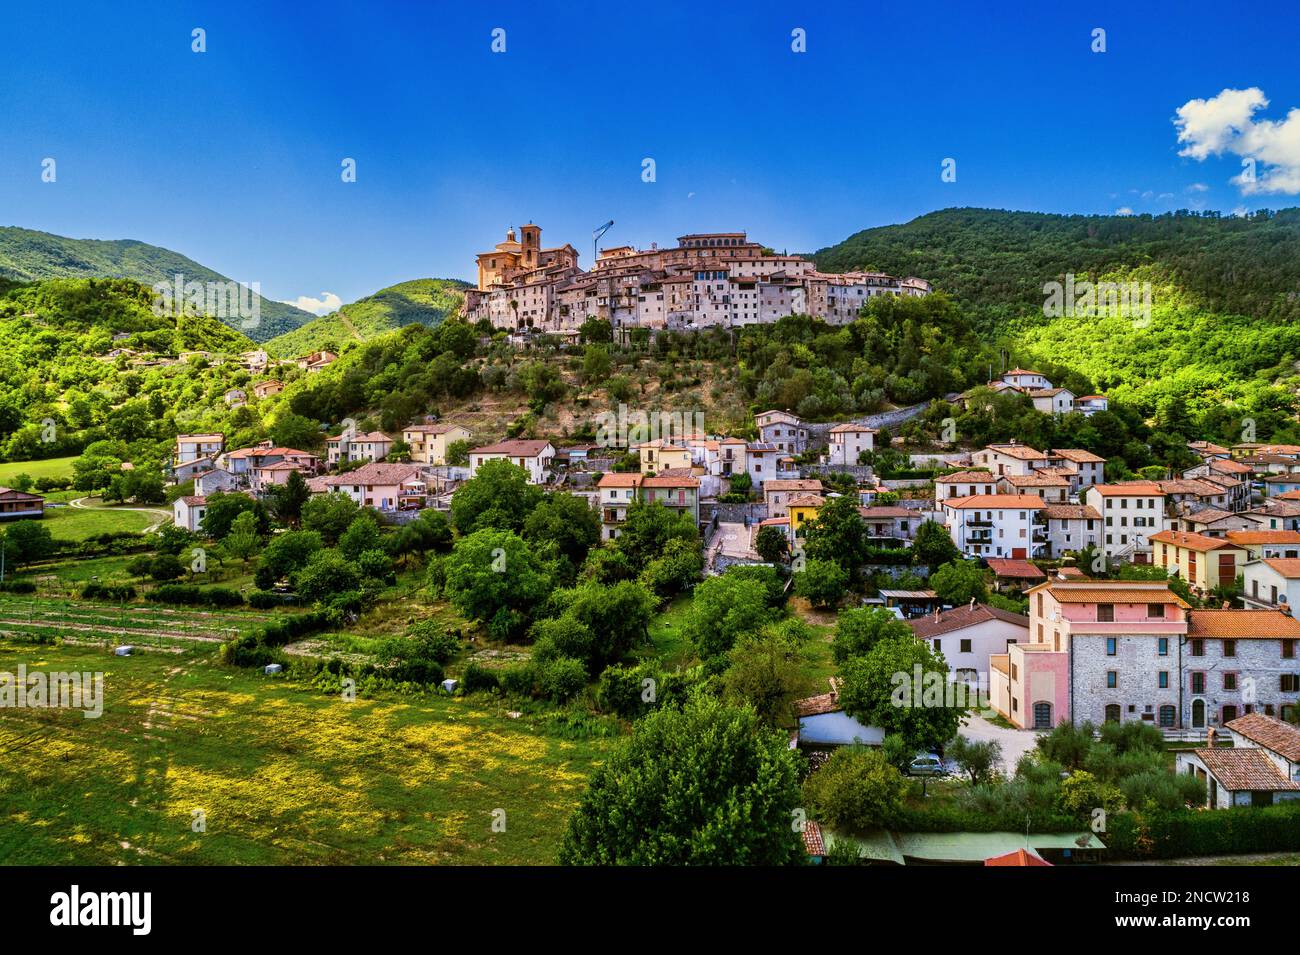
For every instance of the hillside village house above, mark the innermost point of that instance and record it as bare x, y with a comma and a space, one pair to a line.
618, 491
531, 455
429, 442
1204, 562
777, 493
1276, 515
1131, 512
996, 525
188, 511
780, 428
1081, 468
1010, 458
316, 361
369, 446
1261, 769
1052, 400
964, 484
1025, 380
848, 441
717, 457
1071, 527
1238, 662
385, 487
180, 473
1271, 582
214, 480
15, 504
1044, 483
887, 524
660, 455
193, 447
802, 508
267, 476
1209, 521
1089, 405
247, 460
761, 462
265, 389
1101, 650
968, 636
1010, 573
1260, 544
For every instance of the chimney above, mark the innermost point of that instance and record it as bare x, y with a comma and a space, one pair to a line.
936, 613
972, 603
1283, 606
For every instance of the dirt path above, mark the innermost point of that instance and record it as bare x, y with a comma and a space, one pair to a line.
164, 516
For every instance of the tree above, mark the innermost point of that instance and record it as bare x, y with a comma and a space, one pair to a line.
823, 583
430, 531
722, 609
458, 453
494, 576
957, 582
649, 528
764, 673
498, 496
295, 431
855, 791
222, 509
880, 689
859, 629
704, 785
978, 759
678, 568
596, 364
329, 515
26, 541
287, 499
243, 541
932, 546
286, 554
362, 535
563, 525
326, 574
771, 544
595, 331
166, 567
838, 534
617, 618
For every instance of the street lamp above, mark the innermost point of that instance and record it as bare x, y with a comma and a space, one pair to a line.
595, 237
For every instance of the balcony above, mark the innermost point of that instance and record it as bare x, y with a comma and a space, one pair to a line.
1136, 628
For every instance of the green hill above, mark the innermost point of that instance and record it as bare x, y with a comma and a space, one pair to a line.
27, 256
420, 301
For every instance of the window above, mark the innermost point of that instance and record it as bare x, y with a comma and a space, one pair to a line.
1112, 679
1229, 681
1105, 612
1163, 645
1112, 646
1112, 712
1164, 679
1198, 682
1198, 648
1229, 648
1156, 611
965, 646
1288, 649
1290, 682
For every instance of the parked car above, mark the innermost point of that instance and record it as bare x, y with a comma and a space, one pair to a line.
926, 764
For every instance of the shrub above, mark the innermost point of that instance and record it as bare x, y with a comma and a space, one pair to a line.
856, 790
517, 679
114, 592
562, 678
478, 678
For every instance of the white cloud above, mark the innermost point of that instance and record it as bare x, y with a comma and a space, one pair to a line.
1123, 211
1198, 187
1270, 149
328, 302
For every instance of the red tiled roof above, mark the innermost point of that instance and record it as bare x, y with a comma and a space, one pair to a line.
1015, 569
1245, 769
1268, 731
961, 617
1243, 624
1019, 857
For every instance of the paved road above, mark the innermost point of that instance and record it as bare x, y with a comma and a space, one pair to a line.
1015, 743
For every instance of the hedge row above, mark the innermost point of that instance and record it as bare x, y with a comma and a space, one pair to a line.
1170, 835
262, 647
197, 596
115, 592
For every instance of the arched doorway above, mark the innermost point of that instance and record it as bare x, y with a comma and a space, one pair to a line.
1042, 716
1112, 712
1198, 714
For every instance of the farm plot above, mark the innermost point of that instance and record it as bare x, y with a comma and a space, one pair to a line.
78, 622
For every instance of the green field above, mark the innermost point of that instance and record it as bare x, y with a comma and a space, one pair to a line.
51, 467
282, 774
79, 523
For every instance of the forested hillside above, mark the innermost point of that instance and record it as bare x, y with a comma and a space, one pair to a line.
420, 301
27, 255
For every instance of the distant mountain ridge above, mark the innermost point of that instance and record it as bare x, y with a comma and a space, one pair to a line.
29, 256
418, 301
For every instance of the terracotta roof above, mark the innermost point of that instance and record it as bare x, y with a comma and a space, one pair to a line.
1243, 624
1088, 591
521, 448
1244, 769
1229, 467
433, 428
1264, 537
1050, 392
1035, 480
967, 477
1190, 541
1015, 569
1268, 731
851, 428
617, 479
1029, 501
370, 437
812, 839
194, 500
1074, 572
885, 511
1071, 512
1288, 567
1129, 489
792, 484
818, 705
807, 500
1293, 495
375, 473
773, 521
1189, 486
1207, 515
959, 618
1022, 371
670, 480
1019, 857
1022, 452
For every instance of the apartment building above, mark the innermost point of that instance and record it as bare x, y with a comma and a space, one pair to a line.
849, 441
429, 442
534, 456
1239, 662
785, 431
997, 525
1071, 527
1131, 511
369, 446
1204, 562
617, 492
195, 447
1271, 582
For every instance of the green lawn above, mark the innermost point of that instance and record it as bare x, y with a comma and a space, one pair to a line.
50, 467
79, 523
283, 775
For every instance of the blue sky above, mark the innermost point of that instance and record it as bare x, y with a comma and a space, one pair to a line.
232, 156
